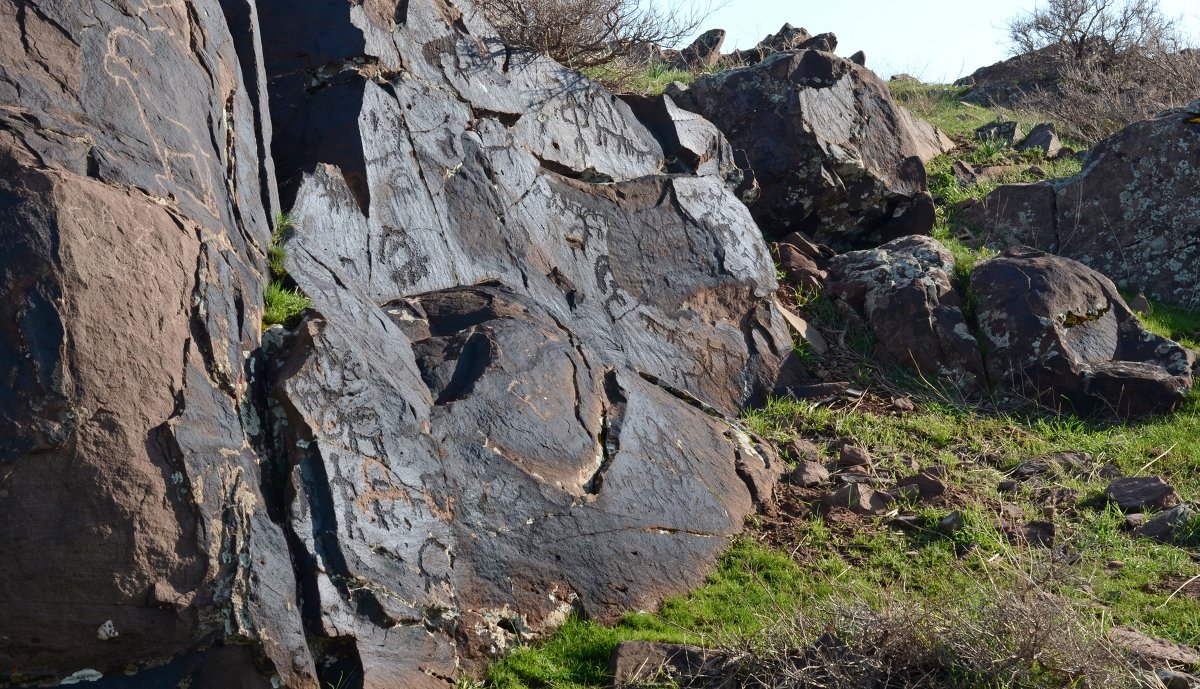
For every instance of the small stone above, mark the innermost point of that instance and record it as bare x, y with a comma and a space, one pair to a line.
107, 631
904, 405
951, 523
1134, 521
1115, 564
802, 450
925, 485
808, 475
1153, 652
1139, 493
906, 522
1009, 486
1039, 534
1172, 679
1173, 524
857, 498
1013, 512
854, 456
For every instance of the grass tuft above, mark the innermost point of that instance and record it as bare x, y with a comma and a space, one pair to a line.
283, 305
283, 300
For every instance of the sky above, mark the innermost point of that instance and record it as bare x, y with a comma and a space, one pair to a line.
936, 41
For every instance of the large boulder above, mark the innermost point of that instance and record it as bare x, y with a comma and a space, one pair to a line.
904, 292
1132, 214
509, 402
786, 39
134, 214
835, 156
1058, 333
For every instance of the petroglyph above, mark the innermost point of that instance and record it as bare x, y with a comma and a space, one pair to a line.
187, 171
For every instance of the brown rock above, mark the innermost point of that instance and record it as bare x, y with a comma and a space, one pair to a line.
1059, 334
834, 154
635, 662
1153, 652
924, 485
704, 52
808, 475
799, 269
1131, 214
1007, 132
857, 498
851, 455
904, 292
1141, 493
1044, 138
1173, 524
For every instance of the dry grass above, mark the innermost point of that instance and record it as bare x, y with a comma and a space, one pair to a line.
1017, 636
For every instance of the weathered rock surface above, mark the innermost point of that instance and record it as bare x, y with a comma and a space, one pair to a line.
1059, 333
1175, 524
788, 38
835, 156
134, 206
693, 145
525, 326
1043, 137
507, 404
903, 291
1140, 493
634, 663
1132, 214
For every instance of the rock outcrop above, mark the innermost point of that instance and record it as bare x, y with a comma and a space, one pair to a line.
905, 293
835, 156
134, 206
1060, 334
1044, 329
508, 403
1132, 214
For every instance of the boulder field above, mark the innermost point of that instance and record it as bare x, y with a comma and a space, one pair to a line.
537, 310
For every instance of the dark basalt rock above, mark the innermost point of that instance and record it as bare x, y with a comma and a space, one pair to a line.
1059, 333
834, 155
1132, 213
508, 403
134, 205
903, 291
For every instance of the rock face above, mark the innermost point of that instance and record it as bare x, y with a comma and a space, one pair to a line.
835, 156
903, 291
527, 323
788, 38
1132, 214
1051, 330
134, 206
508, 403
1060, 334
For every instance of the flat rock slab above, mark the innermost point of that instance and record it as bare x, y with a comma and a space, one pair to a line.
1141, 493
638, 663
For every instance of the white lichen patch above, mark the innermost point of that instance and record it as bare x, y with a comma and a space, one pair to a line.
107, 631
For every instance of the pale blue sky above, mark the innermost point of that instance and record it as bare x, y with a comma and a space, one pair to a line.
935, 40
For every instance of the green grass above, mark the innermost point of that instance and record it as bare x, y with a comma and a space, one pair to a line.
283, 301
755, 586
1173, 322
283, 305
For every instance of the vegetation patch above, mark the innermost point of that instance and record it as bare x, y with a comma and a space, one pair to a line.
283, 301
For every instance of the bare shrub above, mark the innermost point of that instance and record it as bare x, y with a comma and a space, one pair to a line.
1016, 637
1088, 32
1092, 101
590, 33
1117, 62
